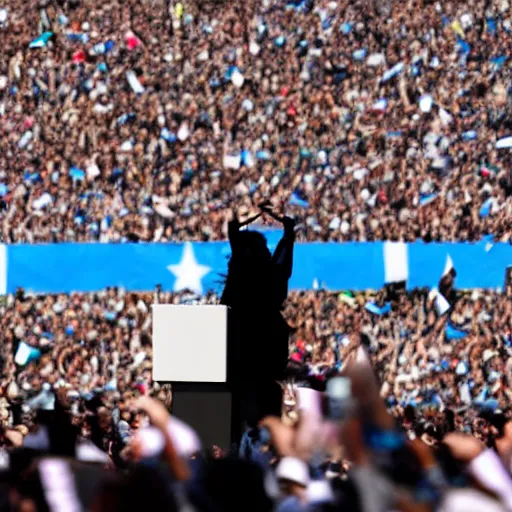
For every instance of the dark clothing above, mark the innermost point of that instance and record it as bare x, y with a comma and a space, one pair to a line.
256, 286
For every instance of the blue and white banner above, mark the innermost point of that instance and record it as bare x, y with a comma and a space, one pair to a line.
199, 266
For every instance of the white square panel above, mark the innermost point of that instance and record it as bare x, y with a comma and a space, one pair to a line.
189, 343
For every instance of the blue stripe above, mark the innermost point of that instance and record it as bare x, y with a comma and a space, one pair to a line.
338, 266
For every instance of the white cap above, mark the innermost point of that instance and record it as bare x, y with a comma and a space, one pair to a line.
488, 354
294, 470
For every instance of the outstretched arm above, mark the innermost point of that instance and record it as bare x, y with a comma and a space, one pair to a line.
282, 260
233, 231
283, 255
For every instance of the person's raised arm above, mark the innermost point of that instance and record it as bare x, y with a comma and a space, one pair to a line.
160, 418
233, 230
283, 255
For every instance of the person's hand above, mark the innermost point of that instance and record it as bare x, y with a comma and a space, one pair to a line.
289, 225
282, 436
265, 206
232, 219
156, 411
463, 447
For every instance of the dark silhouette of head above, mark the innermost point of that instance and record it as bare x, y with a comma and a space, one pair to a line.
255, 247
249, 276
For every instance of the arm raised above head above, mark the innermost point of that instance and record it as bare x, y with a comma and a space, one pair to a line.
233, 229
282, 260
283, 255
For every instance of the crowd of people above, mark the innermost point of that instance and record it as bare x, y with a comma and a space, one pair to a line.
442, 380
148, 120
459, 361
151, 120
86, 342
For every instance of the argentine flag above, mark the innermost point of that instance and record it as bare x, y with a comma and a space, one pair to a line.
41, 41
26, 354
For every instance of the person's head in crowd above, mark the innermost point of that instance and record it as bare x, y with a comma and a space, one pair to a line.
148, 488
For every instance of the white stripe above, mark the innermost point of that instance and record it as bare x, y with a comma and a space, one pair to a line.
396, 262
3, 269
448, 265
59, 486
22, 354
442, 305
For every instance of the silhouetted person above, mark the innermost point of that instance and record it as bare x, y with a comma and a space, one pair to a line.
447, 286
256, 287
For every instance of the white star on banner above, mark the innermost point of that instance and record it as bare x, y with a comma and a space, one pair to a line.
188, 271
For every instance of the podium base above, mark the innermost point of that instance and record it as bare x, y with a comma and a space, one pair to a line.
207, 408
220, 413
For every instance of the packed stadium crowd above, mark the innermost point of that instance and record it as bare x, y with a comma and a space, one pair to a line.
102, 341
151, 120
458, 361
147, 120
445, 380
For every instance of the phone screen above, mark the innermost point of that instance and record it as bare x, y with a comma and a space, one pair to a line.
339, 398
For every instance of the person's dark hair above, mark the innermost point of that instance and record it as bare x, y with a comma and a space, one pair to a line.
20, 459
498, 421
346, 495
410, 414
61, 433
405, 468
109, 496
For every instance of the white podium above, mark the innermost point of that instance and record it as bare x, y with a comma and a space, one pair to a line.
190, 351
189, 343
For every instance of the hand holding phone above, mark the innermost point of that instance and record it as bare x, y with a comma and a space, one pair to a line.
339, 401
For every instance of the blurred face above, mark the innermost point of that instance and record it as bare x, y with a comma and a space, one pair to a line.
139, 420
105, 420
